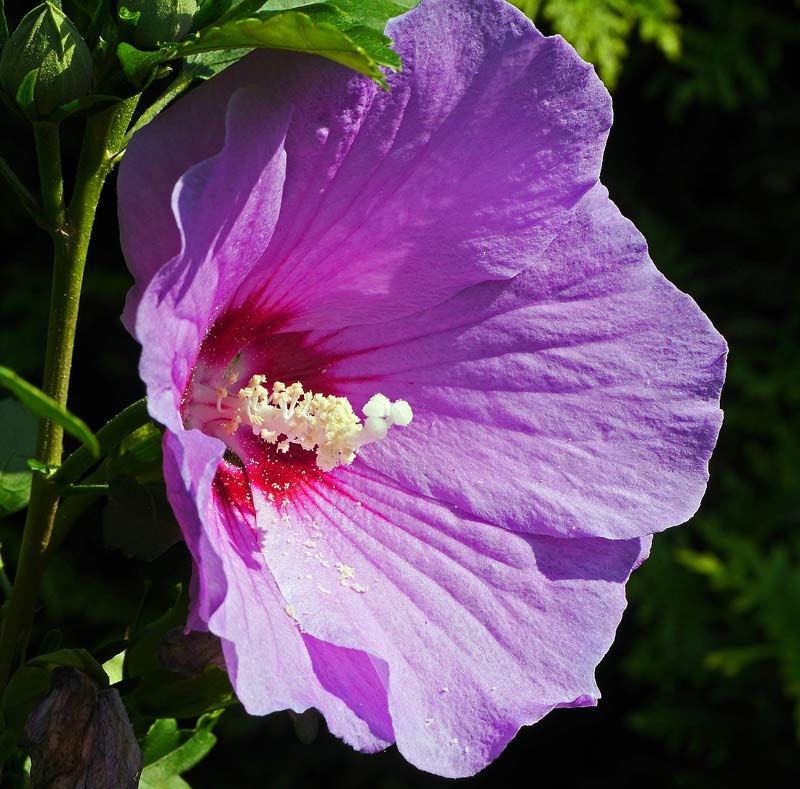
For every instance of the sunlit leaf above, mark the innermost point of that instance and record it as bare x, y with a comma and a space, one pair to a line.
162, 738
207, 64
139, 455
45, 406
601, 29
320, 29
164, 772
25, 92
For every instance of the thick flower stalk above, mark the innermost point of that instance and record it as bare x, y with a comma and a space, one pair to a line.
426, 396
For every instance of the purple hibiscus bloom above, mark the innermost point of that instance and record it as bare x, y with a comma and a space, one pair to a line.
537, 399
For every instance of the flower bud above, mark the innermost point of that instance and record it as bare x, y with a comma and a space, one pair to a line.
80, 735
151, 22
190, 653
48, 43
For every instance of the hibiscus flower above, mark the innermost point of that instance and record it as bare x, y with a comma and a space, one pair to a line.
425, 395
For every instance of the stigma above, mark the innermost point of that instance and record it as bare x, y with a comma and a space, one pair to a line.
284, 415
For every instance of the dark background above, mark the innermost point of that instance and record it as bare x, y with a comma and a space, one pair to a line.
702, 687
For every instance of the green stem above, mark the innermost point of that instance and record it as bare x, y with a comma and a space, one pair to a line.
176, 87
109, 436
48, 152
94, 489
72, 228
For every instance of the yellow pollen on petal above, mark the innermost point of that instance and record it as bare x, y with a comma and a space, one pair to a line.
284, 415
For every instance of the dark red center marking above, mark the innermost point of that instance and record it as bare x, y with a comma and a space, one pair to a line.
248, 333
281, 477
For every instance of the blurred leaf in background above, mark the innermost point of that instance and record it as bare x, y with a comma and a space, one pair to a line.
600, 29
732, 52
170, 751
703, 157
719, 52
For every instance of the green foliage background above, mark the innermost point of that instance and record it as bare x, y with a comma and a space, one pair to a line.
702, 687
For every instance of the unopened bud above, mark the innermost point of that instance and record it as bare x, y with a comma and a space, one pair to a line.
190, 653
47, 53
151, 22
80, 736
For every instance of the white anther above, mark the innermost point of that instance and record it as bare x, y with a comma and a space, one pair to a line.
401, 413
375, 428
288, 415
378, 406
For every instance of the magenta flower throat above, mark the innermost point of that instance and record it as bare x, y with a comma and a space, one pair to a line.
426, 397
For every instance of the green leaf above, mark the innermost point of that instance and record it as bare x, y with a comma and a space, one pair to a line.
163, 693
164, 772
126, 15
702, 563
242, 9
80, 105
113, 667
103, 25
208, 64
139, 455
25, 92
138, 520
44, 406
160, 693
27, 200
363, 20
320, 29
110, 436
141, 656
3, 24
162, 738
31, 683
26, 688
138, 65
374, 13
17, 443
732, 661
45, 469
74, 658
208, 13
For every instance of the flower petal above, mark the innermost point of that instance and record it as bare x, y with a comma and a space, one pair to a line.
462, 172
395, 200
240, 186
482, 630
271, 664
156, 159
359, 679
582, 398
